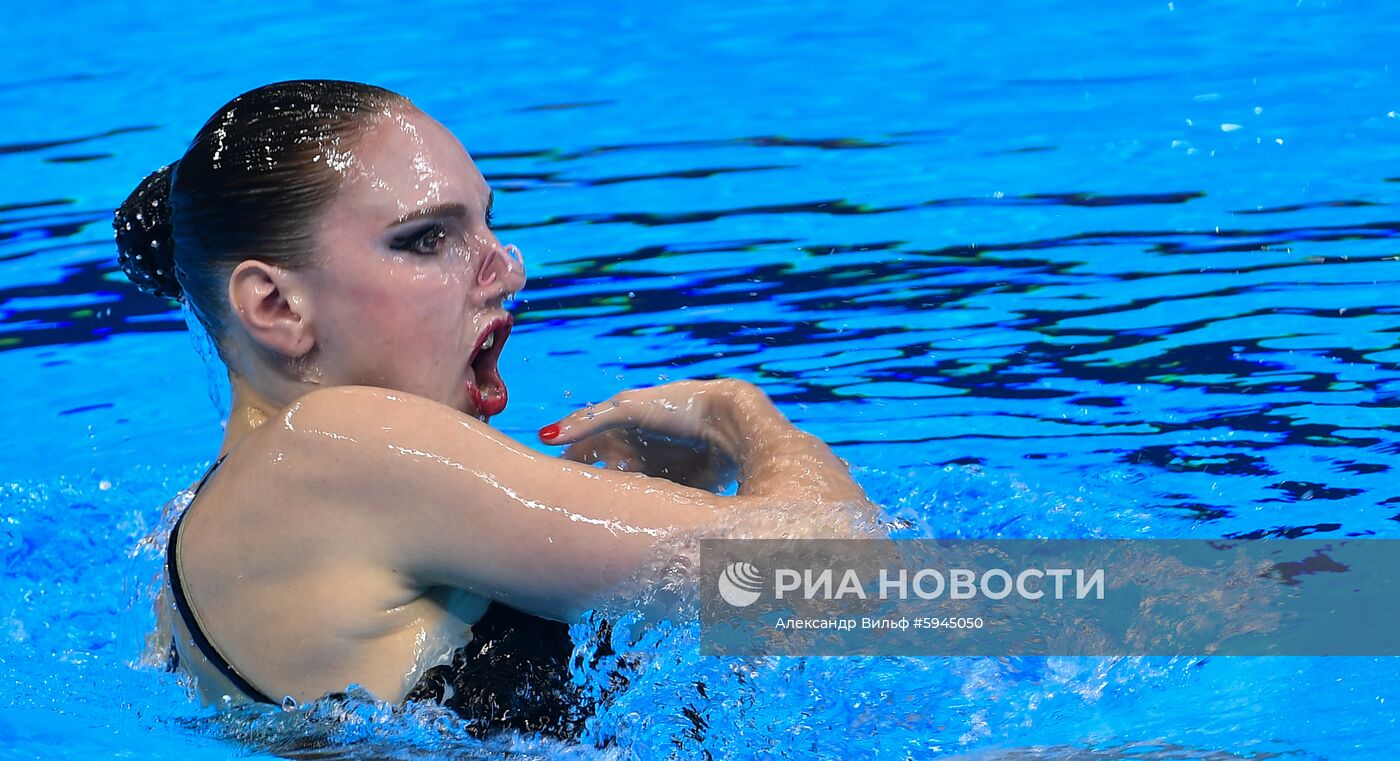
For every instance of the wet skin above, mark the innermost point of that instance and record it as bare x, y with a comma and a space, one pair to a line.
366, 512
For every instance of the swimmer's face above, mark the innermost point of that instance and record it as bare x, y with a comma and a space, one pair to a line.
409, 294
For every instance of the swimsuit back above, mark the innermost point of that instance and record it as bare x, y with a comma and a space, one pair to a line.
512, 675
182, 604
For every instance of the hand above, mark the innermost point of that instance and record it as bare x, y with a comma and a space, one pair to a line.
687, 462
691, 432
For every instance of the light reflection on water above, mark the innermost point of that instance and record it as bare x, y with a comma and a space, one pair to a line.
1044, 272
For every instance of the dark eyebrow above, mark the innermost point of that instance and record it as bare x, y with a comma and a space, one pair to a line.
440, 210
443, 210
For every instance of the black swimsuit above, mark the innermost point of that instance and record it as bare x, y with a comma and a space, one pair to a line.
512, 675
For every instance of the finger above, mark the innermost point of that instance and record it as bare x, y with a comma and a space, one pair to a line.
603, 447
608, 459
582, 452
657, 407
590, 421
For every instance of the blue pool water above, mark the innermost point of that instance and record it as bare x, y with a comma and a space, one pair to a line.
1123, 269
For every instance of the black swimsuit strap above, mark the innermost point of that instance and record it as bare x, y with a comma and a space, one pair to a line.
182, 604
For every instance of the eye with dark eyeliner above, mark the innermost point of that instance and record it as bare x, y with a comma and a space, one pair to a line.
423, 241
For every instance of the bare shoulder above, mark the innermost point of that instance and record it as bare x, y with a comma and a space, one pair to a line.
368, 471
342, 416
355, 408
442, 499
368, 442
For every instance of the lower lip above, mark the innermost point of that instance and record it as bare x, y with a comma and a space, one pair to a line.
491, 405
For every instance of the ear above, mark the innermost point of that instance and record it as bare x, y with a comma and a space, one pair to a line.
270, 303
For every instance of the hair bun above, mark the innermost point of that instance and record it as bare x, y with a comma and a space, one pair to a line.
145, 240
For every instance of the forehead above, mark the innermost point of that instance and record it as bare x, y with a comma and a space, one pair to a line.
403, 161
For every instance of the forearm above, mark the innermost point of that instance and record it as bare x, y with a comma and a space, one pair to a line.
797, 464
776, 459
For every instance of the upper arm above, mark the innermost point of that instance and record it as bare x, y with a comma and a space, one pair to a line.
451, 501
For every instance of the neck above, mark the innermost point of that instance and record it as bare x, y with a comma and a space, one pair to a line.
249, 411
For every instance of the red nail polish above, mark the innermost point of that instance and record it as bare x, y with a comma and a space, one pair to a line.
550, 431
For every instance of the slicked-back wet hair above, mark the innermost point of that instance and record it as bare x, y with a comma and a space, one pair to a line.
250, 186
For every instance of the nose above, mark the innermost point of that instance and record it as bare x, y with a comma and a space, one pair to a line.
502, 272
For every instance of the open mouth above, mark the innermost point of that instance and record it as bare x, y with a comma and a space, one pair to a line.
487, 389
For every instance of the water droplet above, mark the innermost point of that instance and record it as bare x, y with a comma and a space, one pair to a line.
155, 244
138, 216
568, 393
289, 703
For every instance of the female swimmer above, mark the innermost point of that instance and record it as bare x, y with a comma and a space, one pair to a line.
363, 523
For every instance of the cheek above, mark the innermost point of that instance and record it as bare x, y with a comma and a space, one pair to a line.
408, 313
371, 308
394, 321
